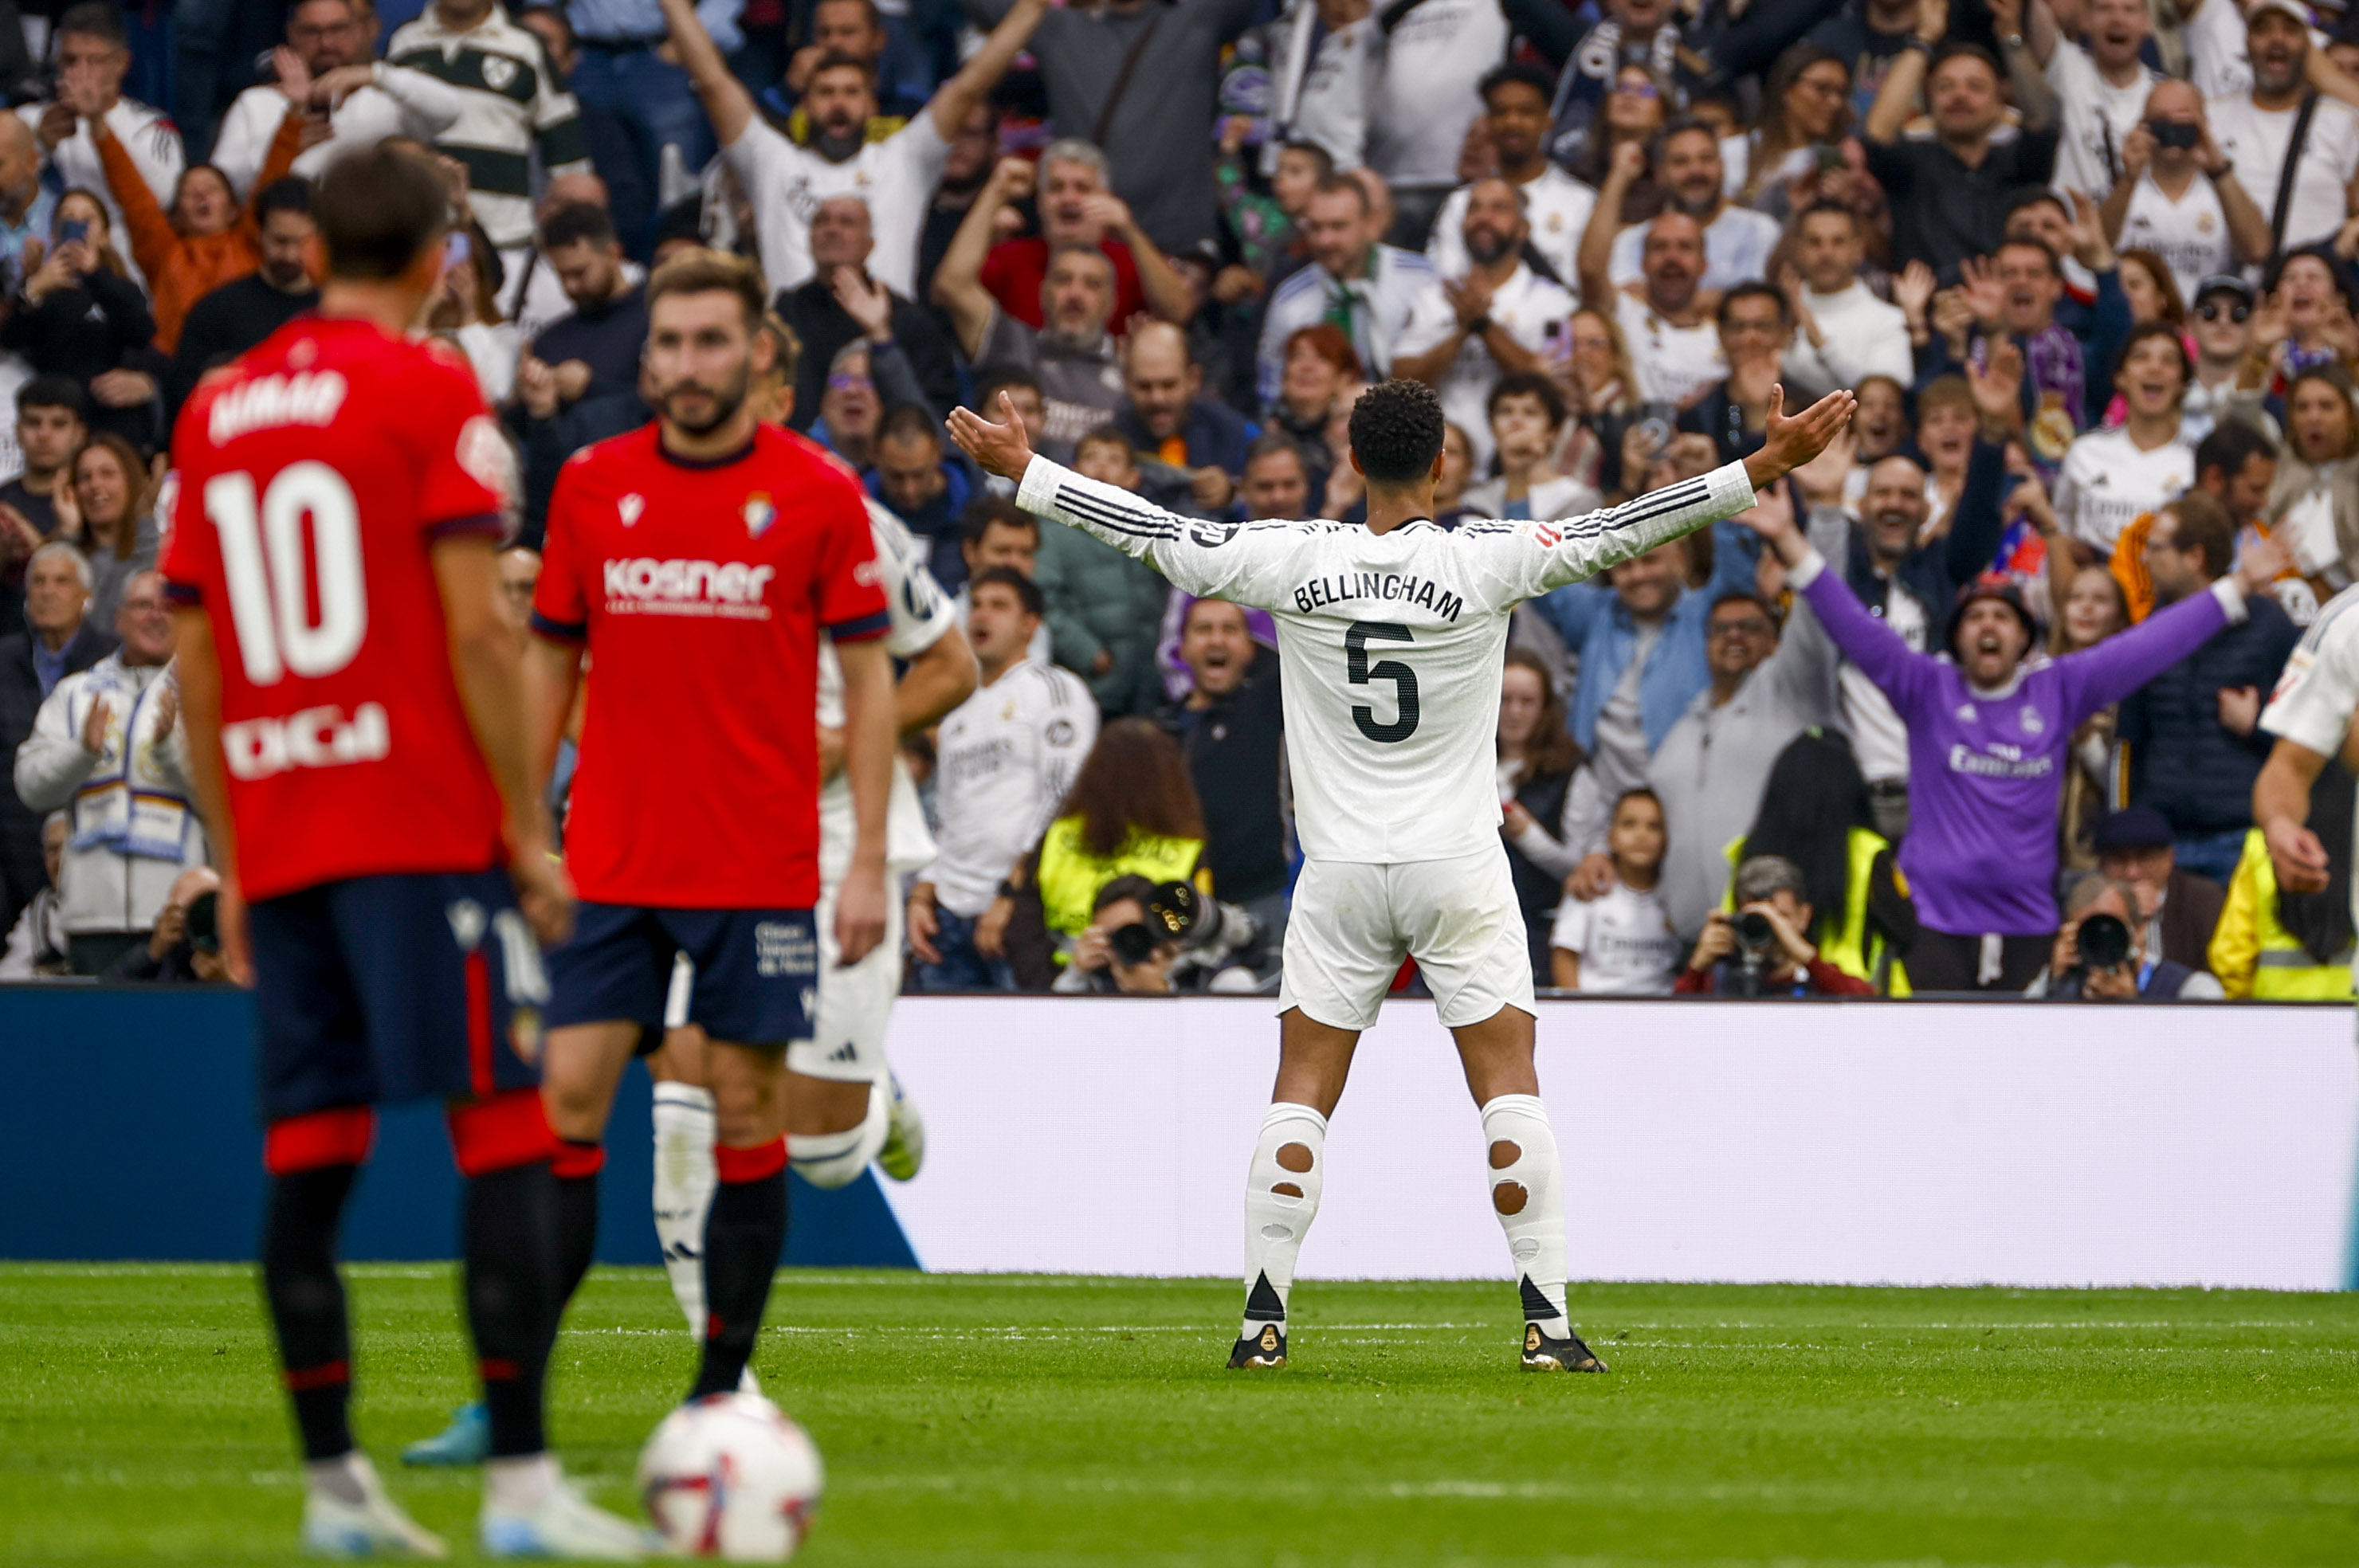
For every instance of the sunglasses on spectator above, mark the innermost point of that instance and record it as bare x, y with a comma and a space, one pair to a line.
842, 381
1751, 626
1637, 89
2211, 310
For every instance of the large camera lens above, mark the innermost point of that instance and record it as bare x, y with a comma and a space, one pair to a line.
1753, 932
2105, 942
1133, 944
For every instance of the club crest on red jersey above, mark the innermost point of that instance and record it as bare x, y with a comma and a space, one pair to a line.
759, 515
629, 508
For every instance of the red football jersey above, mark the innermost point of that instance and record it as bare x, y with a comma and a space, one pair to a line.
701, 590
316, 474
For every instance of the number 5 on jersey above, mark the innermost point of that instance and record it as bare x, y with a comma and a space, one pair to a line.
272, 575
1359, 671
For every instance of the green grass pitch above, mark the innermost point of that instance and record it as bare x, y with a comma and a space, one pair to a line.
1007, 1420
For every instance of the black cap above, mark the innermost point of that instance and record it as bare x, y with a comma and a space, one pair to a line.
2224, 283
1990, 584
2134, 827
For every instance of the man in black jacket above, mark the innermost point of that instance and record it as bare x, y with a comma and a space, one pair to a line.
843, 304
236, 316
1232, 728
55, 644
579, 382
2192, 734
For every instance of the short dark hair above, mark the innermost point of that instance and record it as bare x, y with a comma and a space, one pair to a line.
1735, 594
54, 391
1681, 126
287, 194
839, 59
378, 210
2204, 525
1953, 48
711, 272
1107, 436
1526, 384
1822, 208
1026, 592
1754, 289
2168, 333
2232, 444
1130, 885
1322, 161
96, 19
908, 422
2026, 243
986, 509
1001, 377
2035, 196
1515, 70
1636, 791
1397, 430
1276, 443
578, 224
1338, 184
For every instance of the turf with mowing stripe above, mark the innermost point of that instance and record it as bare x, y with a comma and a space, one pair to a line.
1004, 1420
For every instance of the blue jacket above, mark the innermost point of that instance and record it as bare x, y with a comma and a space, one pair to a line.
1596, 625
2182, 761
1216, 434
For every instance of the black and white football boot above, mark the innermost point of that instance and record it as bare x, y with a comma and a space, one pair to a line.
1265, 1346
1543, 1354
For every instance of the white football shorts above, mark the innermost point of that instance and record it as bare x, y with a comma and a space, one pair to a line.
848, 1027
1353, 922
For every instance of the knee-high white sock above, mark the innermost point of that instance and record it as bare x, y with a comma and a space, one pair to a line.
1527, 1194
683, 1192
1289, 1166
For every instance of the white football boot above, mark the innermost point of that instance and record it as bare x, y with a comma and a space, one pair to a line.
373, 1527
565, 1526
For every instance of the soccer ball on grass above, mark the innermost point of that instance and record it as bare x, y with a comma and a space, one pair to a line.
729, 1475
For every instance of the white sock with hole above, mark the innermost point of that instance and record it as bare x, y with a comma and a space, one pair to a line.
1289, 1166
683, 1192
1527, 1194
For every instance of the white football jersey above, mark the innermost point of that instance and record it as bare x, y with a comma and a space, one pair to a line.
1391, 645
922, 614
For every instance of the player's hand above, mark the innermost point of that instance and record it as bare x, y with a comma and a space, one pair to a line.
922, 925
1592, 879
1791, 442
1002, 449
991, 928
229, 923
95, 726
2299, 858
859, 915
544, 893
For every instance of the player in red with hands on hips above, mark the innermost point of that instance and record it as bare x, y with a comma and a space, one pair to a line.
699, 561
356, 718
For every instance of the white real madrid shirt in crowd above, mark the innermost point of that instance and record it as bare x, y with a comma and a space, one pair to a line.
1390, 644
1623, 940
2316, 695
2190, 235
1320, 78
1556, 205
1524, 306
2106, 482
1864, 337
2254, 140
1671, 364
922, 616
2098, 116
401, 103
1424, 98
785, 184
1002, 761
155, 147
1371, 308
1736, 247
2218, 61
513, 107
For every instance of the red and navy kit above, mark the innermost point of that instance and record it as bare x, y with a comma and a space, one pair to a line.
317, 475
701, 590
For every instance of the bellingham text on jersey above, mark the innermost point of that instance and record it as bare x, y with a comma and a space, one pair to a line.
1320, 592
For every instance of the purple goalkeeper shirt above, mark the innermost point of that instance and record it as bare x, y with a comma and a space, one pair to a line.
1986, 769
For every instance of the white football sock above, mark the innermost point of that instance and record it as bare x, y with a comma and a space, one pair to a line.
1527, 1194
836, 1159
683, 1192
346, 1477
1280, 1202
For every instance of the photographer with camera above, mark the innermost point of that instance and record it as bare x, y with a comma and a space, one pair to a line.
185, 946
2101, 955
1760, 950
1150, 938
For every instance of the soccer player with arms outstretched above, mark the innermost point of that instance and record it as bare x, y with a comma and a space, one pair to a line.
356, 718
1392, 637
699, 561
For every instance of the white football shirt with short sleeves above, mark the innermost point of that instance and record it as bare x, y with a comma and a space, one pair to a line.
785, 184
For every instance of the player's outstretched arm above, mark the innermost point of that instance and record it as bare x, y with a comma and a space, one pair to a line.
1788, 443
197, 663
491, 687
868, 745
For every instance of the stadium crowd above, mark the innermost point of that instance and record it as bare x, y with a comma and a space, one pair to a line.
1974, 702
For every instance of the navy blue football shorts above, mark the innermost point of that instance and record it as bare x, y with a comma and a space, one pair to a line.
380, 989
756, 971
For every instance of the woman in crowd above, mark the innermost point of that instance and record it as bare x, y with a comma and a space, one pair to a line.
2095, 608
1131, 811
208, 239
1815, 812
2275, 946
1805, 113
1528, 418
79, 315
2314, 505
1538, 763
2304, 320
1602, 392
467, 310
1457, 469
1634, 112
1319, 377
110, 519
2153, 292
